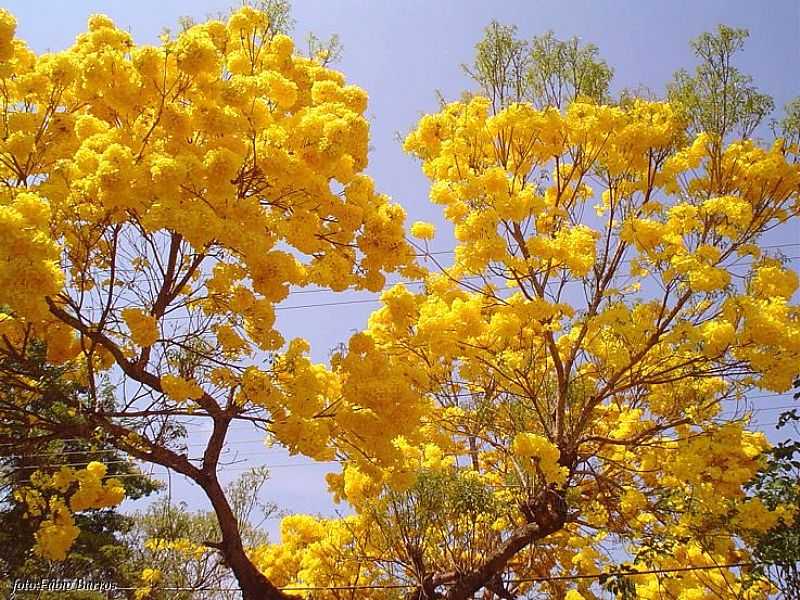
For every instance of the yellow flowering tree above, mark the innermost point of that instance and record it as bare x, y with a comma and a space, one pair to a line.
157, 202
561, 385
608, 305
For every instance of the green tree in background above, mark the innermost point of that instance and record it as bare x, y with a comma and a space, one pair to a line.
719, 99
779, 482
177, 541
100, 553
545, 71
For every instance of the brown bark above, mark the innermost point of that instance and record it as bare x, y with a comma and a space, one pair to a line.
546, 514
254, 585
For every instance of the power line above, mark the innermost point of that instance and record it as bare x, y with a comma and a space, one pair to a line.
312, 464
235, 442
431, 253
108, 450
538, 579
636, 573
144, 463
378, 300
419, 282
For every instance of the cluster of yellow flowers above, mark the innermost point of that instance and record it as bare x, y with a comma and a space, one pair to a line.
423, 230
223, 136
182, 546
31, 250
541, 454
239, 165
317, 552
144, 328
494, 361
57, 531
180, 389
150, 578
705, 582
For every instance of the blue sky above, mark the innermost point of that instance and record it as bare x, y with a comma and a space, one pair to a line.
401, 53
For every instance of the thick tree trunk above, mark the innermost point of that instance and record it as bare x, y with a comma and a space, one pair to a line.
254, 585
546, 515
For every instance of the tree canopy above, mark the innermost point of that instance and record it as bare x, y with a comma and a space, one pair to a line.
551, 412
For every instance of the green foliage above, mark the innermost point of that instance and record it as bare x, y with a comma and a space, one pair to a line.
779, 483
501, 65
562, 71
279, 11
325, 51
546, 71
718, 98
181, 543
100, 553
788, 128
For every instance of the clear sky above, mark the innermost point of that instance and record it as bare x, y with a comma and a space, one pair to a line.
401, 53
